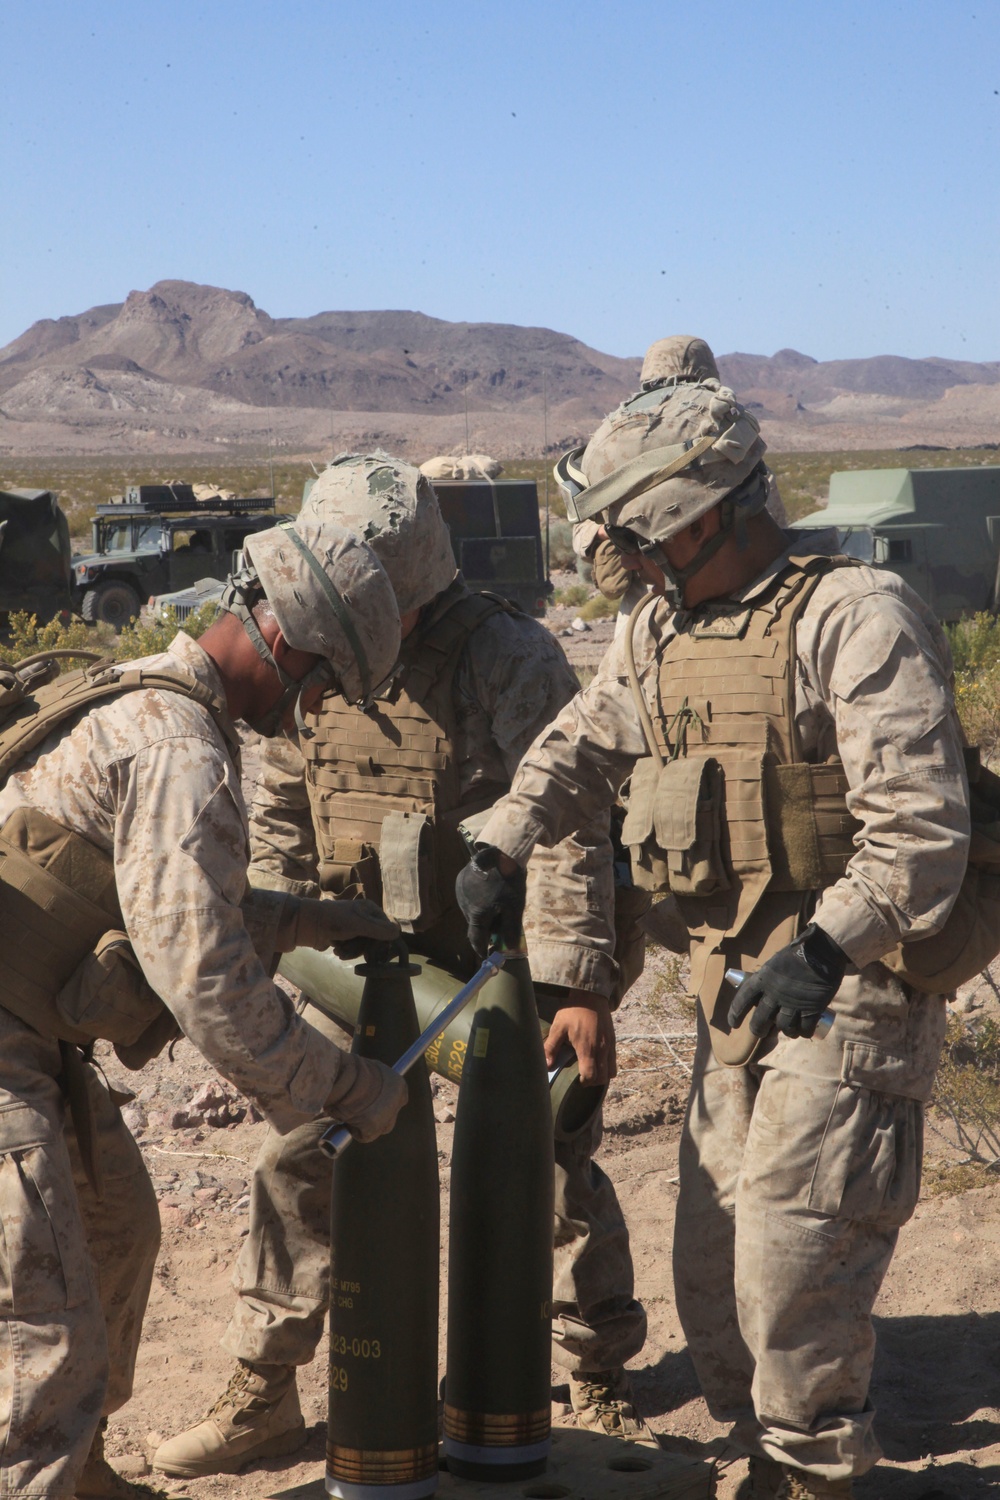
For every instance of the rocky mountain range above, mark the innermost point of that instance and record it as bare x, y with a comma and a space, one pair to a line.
183, 367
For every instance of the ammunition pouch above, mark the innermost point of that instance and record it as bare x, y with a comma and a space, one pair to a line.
673, 826
351, 870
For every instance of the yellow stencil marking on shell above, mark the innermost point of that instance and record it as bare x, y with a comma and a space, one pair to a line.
482, 1041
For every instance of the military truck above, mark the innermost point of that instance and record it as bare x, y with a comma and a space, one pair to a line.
35, 556
156, 538
496, 537
939, 529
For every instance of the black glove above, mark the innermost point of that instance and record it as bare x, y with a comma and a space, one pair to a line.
793, 988
491, 903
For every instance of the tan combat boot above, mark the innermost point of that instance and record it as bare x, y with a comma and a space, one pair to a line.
99, 1481
257, 1416
602, 1401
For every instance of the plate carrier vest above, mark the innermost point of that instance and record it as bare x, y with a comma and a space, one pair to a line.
724, 812
384, 784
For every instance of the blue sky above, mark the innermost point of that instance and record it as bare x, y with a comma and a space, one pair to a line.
766, 175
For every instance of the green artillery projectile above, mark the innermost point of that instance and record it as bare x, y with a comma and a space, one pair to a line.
384, 1250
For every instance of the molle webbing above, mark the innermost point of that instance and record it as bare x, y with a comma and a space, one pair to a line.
397, 760
726, 690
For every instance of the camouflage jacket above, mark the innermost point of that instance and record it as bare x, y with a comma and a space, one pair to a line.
873, 674
147, 779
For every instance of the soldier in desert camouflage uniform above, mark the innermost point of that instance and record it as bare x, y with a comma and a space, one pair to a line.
349, 810
799, 784
134, 806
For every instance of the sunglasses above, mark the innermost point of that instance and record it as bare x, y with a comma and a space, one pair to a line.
625, 540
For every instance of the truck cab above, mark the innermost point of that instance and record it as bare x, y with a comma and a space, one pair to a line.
158, 538
939, 529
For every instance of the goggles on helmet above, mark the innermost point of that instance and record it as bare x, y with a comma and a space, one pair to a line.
629, 542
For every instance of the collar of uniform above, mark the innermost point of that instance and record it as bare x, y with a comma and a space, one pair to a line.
197, 661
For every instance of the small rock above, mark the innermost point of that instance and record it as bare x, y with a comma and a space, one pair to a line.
153, 1440
132, 1465
580, 626
444, 1115
134, 1117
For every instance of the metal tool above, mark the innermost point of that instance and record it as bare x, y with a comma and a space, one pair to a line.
335, 987
338, 1137
735, 977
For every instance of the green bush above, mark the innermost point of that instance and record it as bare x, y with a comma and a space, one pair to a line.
599, 608
967, 1089
576, 594
975, 649
27, 637
561, 554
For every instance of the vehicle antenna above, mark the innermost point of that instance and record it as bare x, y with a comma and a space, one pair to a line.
270, 456
545, 449
465, 393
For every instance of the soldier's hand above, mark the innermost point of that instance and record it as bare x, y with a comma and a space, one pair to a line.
584, 1022
491, 901
792, 989
366, 1097
348, 927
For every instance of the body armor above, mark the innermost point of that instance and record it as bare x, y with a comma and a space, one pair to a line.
724, 812
384, 784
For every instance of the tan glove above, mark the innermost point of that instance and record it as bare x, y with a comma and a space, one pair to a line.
366, 1097
609, 575
345, 926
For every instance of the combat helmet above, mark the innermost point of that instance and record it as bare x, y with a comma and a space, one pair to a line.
331, 597
678, 359
654, 466
392, 506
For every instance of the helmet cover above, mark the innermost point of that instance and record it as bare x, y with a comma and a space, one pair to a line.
392, 506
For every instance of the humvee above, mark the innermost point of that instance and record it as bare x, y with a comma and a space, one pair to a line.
939, 529
157, 538
35, 556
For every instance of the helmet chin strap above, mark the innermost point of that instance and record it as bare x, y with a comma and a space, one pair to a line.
735, 511
241, 593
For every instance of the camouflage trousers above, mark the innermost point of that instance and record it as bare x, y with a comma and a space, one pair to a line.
282, 1274
74, 1271
796, 1174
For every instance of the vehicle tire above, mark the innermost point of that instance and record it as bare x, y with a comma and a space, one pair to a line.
113, 603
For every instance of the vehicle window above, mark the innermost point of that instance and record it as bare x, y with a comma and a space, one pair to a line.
147, 534
900, 549
118, 536
233, 538
199, 539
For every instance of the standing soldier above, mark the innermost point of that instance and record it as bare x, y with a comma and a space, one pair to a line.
124, 842
371, 802
797, 779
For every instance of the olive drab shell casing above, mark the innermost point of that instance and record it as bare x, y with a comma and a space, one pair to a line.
333, 986
497, 1390
384, 1265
